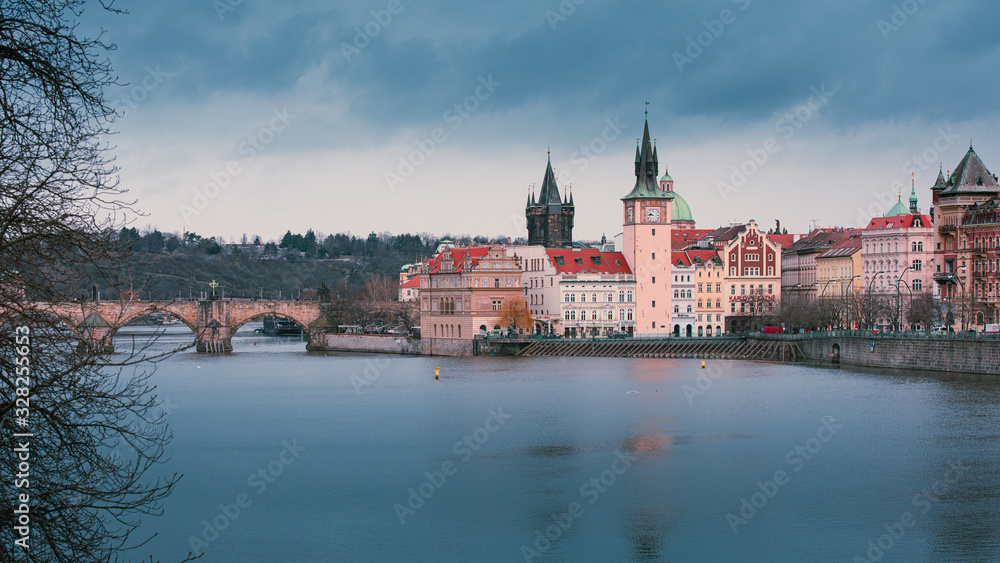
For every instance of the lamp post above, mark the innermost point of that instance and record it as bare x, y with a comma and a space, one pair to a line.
899, 302
847, 293
871, 286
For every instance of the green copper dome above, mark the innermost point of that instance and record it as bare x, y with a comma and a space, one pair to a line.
898, 209
666, 178
680, 211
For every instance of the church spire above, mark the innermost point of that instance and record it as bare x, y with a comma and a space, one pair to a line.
913, 195
646, 170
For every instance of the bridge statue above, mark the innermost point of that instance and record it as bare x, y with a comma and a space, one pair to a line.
213, 321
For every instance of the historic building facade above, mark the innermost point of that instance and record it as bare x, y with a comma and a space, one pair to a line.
981, 228
799, 280
550, 218
464, 289
969, 187
752, 265
709, 279
646, 243
578, 291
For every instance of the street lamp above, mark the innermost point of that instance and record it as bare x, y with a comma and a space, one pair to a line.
899, 302
847, 293
871, 286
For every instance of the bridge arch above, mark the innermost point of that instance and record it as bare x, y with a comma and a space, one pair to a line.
133, 315
237, 324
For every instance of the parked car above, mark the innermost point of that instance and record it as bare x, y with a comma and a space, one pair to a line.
939, 330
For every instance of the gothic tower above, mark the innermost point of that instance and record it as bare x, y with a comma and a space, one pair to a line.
646, 242
550, 218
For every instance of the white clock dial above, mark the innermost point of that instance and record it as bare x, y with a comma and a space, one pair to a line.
653, 214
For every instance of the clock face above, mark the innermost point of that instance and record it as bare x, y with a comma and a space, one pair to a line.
628, 213
653, 214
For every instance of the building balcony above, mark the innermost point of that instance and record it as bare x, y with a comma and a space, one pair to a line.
946, 229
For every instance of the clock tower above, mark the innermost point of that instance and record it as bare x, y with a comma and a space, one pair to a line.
646, 243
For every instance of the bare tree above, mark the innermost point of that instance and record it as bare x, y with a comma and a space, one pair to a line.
514, 313
924, 310
91, 428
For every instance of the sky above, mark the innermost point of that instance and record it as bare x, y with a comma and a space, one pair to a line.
244, 116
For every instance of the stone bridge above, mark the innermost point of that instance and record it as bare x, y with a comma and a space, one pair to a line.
213, 321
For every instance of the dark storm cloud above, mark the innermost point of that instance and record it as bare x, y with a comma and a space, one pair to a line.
597, 56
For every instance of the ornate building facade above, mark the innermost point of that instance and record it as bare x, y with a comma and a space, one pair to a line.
463, 289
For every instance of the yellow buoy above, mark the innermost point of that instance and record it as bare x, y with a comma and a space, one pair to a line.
437, 371
703, 364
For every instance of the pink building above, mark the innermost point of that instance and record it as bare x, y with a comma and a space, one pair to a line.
646, 243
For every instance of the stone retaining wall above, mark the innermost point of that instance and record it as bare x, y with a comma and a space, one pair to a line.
386, 344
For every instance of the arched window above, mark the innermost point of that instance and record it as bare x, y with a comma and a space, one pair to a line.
689, 308
621, 296
630, 296
593, 315
583, 297
677, 308
567, 315
572, 315
629, 314
701, 331
593, 297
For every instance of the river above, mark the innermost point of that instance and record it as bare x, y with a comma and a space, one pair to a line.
307, 457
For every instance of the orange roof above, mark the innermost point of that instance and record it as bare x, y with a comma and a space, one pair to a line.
587, 261
412, 282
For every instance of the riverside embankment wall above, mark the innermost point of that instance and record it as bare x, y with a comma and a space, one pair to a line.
920, 353
386, 344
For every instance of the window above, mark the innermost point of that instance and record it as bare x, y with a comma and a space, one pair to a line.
732, 290
497, 304
676, 294
699, 303
629, 296
689, 309
718, 304
718, 288
654, 256
654, 279
629, 314
654, 304
583, 298
593, 315
572, 315
917, 265
654, 232
733, 307
743, 290
770, 289
621, 296
677, 308
918, 285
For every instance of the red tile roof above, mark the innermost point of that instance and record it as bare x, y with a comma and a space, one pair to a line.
412, 282
899, 221
846, 247
605, 263
784, 240
458, 258
692, 257
681, 238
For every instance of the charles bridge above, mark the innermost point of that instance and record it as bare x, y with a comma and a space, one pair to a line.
213, 321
